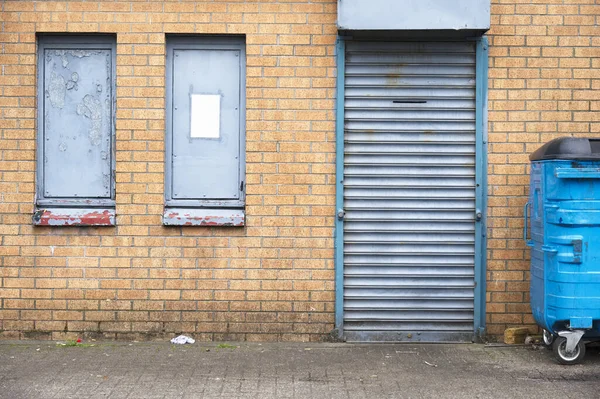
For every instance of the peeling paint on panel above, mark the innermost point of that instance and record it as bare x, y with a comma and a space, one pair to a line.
72, 84
73, 53
74, 217
106, 180
57, 90
204, 217
91, 108
77, 140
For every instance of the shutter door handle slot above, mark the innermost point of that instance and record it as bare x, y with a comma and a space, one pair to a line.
409, 101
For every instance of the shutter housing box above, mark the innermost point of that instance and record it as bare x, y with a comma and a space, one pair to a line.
414, 15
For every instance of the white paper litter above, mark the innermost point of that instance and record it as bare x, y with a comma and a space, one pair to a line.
182, 339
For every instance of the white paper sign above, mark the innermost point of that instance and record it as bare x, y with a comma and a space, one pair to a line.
205, 116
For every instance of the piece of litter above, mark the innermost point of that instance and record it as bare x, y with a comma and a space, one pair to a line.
431, 364
38, 349
182, 339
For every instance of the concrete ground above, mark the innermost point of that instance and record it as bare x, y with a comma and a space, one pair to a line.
278, 370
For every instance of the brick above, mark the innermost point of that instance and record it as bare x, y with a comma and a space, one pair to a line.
515, 335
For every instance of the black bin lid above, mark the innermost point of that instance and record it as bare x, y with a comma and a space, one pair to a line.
569, 148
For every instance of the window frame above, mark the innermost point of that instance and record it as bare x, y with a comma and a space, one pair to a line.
204, 42
59, 42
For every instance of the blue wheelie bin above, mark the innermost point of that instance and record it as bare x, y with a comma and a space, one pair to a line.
564, 213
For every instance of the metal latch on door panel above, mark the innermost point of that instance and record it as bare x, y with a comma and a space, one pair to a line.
478, 215
340, 214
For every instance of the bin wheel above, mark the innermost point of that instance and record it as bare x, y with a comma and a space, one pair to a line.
548, 338
559, 348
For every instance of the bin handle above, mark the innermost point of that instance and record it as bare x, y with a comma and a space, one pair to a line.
578, 173
526, 217
549, 248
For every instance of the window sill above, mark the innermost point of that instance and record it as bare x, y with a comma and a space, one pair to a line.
209, 217
74, 217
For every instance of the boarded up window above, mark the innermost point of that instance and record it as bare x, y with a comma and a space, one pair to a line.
75, 121
205, 122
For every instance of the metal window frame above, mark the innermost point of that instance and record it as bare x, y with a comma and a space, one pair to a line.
481, 119
204, 42
89, 42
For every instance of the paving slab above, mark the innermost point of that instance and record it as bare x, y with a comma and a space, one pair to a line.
282, 370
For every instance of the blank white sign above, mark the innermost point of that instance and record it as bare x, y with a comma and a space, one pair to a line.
205, 116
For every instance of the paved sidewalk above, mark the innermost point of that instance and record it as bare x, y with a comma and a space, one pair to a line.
277, 370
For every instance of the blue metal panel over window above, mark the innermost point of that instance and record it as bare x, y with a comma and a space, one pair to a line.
205, 126
206, 167
75, 160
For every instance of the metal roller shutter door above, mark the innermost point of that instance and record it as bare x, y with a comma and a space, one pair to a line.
409, 191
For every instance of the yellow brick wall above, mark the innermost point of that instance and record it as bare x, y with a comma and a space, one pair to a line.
544, 81
271, 280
